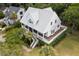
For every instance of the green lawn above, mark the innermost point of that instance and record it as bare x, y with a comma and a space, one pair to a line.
69, 45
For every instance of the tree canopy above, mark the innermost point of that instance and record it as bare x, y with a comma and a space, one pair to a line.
71, 16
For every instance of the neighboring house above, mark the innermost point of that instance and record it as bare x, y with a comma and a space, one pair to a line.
9, 11
43, 23
19, 11
3, 9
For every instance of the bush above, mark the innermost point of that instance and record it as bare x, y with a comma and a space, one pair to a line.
14, 36
2, 25
13, 16
15, 25
58, 39
47, 51
7, 49
13, 43
1, 15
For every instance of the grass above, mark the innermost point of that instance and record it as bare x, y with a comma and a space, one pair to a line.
69, 45
34, 52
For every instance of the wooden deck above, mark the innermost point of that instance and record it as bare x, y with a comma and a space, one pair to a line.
50, 37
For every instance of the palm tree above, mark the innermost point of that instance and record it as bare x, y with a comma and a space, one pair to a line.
13, 16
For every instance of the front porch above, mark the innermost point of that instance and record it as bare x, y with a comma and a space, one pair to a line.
44, 38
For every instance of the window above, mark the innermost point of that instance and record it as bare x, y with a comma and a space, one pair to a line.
52, 31
51, 23
40, 34
26, 26
30, 29
37, 21
55, 21
30, 21
21, 12
35, 31
46, 33
21, 17
57, 25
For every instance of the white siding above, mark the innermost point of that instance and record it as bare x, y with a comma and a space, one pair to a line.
54, 25
18, 14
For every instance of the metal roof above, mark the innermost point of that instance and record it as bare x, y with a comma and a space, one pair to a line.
15, 9
45, 16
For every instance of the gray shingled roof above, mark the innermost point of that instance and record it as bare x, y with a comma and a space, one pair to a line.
44, 18
15, 9
11, 10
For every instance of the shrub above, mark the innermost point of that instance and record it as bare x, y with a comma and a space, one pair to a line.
59, 38
7, 49
1, 15
2, 25
15, 25
13, 44
46, 51
13, 16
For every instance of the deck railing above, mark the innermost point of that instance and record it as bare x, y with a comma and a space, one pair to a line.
50, 38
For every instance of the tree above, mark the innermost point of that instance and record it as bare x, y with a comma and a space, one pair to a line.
1, 15
71, 16
13, 43
28, 38
59, 8
46, 50
13, 16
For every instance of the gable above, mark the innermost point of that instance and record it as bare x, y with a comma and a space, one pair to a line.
34, 17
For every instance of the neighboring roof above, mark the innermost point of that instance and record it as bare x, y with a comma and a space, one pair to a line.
45, 16
15, 9
2, 8
11, 10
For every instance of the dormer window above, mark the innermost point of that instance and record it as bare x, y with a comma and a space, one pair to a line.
51, 23
52, 31
30, 21
57, 25
55, 21
37, 21
21, 13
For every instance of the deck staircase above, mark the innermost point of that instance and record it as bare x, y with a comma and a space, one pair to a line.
34, 43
